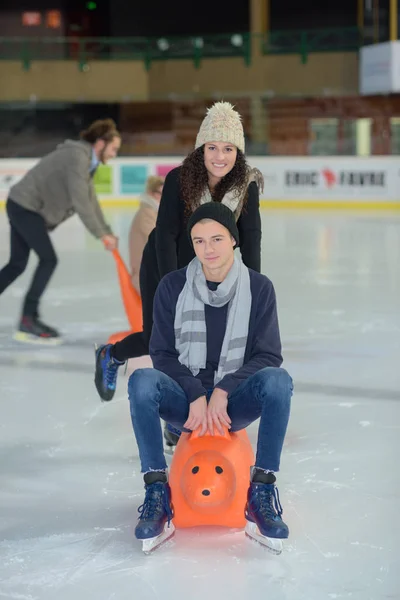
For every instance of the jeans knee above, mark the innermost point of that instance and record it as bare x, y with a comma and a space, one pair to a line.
143, 386
277, 382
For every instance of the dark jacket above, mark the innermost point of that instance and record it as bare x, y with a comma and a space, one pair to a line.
173, 247
60, 185
263, 347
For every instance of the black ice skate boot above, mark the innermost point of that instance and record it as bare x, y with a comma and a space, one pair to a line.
33, 331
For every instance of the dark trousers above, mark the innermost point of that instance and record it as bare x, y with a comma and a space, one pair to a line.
28, 232
137, 344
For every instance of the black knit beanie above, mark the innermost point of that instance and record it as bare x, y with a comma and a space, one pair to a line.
216, 212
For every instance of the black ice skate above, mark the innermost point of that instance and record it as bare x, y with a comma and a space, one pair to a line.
32, 330
155, 524
171, 438
264, 512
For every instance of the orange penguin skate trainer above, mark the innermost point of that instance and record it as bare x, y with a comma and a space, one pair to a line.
209, 479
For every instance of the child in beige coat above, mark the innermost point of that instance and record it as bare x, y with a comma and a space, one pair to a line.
143, 224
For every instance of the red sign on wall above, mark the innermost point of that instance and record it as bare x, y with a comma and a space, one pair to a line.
31, 19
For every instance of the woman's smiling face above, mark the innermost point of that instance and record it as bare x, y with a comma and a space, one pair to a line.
219, 159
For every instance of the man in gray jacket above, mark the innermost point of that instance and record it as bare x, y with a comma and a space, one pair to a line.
57, 187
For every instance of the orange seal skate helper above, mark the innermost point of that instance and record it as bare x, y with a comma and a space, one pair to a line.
131, 299
118, 336
209, 479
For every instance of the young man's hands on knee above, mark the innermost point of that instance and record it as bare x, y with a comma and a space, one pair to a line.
217, 413
209, 417
197, 415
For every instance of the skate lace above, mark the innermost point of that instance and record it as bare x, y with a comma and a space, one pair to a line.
268, 502
111, 373
155, 502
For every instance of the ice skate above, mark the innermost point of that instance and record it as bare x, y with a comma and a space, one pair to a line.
151, 544
264, 513
32, 330
273, 545
171, 438
106, 372
155, 525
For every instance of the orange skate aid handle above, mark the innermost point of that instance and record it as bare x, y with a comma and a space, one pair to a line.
130, 297
118, 336
209, 479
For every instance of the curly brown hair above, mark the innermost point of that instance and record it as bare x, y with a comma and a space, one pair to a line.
194, 180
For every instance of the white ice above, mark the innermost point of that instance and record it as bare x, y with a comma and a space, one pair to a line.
70, 480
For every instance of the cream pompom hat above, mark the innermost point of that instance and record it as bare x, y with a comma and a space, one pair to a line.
221, 124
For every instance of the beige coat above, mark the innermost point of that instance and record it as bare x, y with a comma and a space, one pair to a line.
142, 225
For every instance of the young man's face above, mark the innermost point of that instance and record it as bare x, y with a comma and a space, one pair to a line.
213, 244
107, 150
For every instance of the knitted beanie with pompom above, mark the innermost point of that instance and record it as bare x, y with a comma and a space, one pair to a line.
221, 124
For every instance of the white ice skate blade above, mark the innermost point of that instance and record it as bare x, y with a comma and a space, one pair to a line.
274, 545
28, 338
152, 543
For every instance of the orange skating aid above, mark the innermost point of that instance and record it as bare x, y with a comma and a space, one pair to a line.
130, 297
117, 337
209, 479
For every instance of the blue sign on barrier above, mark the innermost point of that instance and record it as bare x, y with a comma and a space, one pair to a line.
133, 179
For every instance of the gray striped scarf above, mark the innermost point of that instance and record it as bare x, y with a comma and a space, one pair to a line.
190, 323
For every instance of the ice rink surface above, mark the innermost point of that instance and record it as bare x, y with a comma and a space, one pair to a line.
69, 475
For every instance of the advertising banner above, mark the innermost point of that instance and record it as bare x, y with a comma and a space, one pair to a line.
133, 178
348, 179
326, 178
103, 180
163, 170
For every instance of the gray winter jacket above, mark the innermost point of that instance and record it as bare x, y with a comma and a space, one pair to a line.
60, 185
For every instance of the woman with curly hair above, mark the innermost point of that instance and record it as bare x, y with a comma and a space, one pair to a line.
217, 171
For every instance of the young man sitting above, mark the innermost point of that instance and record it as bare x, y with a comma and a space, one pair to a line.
216, 350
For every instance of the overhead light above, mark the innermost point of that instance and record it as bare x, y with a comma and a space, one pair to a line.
237, 40
163, 44
198, 42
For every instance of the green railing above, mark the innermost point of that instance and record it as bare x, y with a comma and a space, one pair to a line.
84, 50
195, 48
304, 42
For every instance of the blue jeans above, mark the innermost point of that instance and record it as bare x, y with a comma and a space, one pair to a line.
266, 394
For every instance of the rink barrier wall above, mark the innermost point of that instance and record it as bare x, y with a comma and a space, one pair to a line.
290, 182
